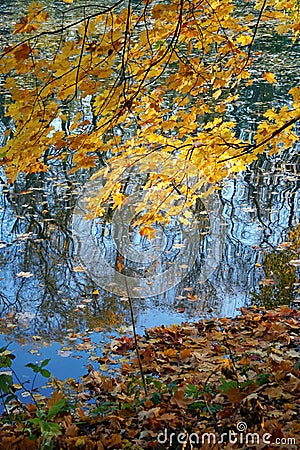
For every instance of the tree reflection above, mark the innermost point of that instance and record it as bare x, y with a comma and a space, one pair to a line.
281, 279
56, 294
43, 288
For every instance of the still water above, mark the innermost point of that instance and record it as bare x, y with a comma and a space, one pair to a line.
49, 305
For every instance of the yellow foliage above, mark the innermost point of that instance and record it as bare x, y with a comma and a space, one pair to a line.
270, 77
158, 85
148, 231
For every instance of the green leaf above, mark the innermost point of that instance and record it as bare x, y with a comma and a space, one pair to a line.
227, 385
172, 385
6, 382
52, 429
192, 390
156, 398
45, 373
5, 357
57, 408
263, 378
35, 421
198, 405
158, 384
2, 349
45, 362
34, 367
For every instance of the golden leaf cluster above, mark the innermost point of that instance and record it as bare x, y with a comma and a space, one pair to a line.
158, 80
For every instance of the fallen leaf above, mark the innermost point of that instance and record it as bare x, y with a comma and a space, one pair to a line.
180, 400
270, 77
24, 274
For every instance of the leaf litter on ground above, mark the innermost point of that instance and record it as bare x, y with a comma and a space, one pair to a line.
203, 380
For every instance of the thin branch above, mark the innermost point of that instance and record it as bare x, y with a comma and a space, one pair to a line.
61, 29
252, 147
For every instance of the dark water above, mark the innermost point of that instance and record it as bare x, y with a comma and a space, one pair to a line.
47, 299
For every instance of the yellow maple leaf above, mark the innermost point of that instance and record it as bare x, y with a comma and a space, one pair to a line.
24, 26
148, 231
270, 77
118, 199
295, 92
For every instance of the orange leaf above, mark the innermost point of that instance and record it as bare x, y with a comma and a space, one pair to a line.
180, 400
113, 442
120, 263
234, 395
170, 353
24, 26
192, 298
148, 231
55, 397
185, 353
22, 52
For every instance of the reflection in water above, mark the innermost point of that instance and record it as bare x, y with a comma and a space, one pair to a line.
281, 283
149, 270
45, 291
41, 284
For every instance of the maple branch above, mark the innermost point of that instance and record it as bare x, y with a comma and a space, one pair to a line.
254, 33
80, 59
143, 82
126, 44
61, 29
252, 147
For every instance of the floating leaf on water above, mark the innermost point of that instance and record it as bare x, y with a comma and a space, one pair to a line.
270, 77
284, 245
64, 353
295, 262
79, 269
25, 394
248, 209
192, 298
178, 245
25, 274
267, 282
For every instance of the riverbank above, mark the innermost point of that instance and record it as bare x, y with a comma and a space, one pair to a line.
223, 383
